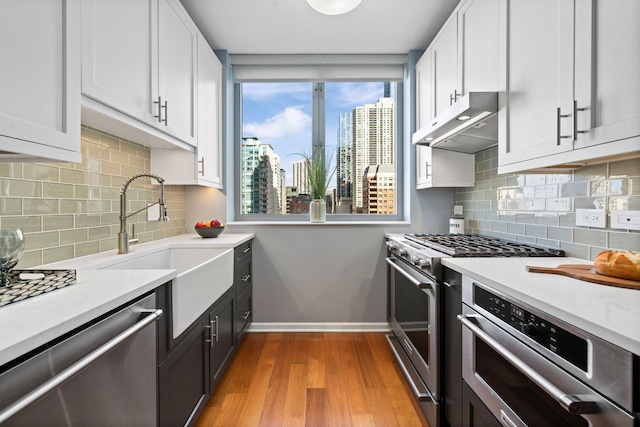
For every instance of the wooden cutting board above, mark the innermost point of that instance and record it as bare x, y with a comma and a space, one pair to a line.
587, 273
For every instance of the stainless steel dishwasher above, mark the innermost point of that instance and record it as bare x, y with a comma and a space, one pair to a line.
102, 374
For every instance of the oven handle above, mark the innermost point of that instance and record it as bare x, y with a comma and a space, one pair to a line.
571, 404
409, 277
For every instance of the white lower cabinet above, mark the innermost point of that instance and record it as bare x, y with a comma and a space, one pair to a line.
443, 168
40, 80
569, 94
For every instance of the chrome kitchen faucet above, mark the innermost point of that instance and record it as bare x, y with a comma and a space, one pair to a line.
123, 237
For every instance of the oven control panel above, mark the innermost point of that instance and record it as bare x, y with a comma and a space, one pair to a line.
565, 344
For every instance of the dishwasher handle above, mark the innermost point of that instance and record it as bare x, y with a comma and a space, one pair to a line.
73, 370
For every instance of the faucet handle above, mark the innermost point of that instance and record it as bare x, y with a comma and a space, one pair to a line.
133, 240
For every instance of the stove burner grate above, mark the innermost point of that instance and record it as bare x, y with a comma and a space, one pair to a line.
473, 245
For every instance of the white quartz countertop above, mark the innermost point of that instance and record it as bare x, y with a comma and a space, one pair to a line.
28, 324
225, 240
609, 312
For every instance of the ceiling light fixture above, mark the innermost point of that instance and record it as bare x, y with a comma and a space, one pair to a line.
333, 7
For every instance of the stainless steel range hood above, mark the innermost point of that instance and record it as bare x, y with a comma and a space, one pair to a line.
468, 126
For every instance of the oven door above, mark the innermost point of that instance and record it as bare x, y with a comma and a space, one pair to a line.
523, 388
415, 324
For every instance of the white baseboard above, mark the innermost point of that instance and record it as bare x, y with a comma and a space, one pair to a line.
319, 327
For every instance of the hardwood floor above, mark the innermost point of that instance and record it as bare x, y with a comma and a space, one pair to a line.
313, 379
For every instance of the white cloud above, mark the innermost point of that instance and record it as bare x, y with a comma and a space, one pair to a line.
357, 93
291, 121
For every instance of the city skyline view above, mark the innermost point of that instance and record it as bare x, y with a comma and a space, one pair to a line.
280, 115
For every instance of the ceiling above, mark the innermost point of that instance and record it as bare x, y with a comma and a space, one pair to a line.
293, 27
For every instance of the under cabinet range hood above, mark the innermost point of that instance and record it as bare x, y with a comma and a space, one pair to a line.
468, 126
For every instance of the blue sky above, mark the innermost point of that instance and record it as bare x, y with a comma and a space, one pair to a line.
279, 114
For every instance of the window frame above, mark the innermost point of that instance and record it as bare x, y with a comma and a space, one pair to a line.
318, 133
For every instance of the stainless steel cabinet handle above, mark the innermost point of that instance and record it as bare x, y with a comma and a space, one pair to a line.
246, 315
76, 368
575, 120
571, 404
246, 250
245, 278
166, 113
559, 135
449, 285
454, 97
201, 161
213, 331
160, 107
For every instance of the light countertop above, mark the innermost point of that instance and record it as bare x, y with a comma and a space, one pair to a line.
28, 324
609, 312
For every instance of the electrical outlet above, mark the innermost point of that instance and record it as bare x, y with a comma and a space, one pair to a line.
591, 218
629, 220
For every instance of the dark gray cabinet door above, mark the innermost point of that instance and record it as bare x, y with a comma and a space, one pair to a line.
222, 336
452, 349
182, 380
474, 412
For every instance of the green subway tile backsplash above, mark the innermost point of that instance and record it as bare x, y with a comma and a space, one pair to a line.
540, 208
69, 210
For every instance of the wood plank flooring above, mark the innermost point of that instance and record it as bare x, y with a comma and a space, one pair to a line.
313, 379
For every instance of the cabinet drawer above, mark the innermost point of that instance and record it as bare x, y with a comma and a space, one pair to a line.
242, 252
243, 278
244, 316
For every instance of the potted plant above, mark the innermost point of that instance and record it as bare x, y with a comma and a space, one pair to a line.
320, 173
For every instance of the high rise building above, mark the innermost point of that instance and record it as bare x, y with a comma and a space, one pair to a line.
261, 178
301, 176
390, 90
344, 161
374, 142
379, 189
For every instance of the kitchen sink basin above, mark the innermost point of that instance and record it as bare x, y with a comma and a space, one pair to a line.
203, 276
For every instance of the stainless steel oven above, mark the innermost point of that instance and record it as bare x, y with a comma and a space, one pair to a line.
414, 315
530, 369
417, 295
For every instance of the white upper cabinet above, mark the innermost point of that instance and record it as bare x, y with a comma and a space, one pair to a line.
446, 88
568, 94
40, 80
204, 166
478, 46
465, 53
463, 57
139, 59
177, 73
117, 59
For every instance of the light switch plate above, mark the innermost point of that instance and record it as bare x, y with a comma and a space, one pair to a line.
628, 220
153, 214
591, 218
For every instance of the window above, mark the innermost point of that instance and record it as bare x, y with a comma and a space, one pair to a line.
353, 123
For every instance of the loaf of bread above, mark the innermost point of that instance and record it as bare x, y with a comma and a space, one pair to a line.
621, 264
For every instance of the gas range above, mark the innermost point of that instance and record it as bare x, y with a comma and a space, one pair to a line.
424, 251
